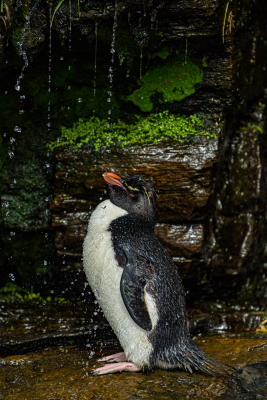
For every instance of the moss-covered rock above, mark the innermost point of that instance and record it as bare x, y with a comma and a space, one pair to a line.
98, 133
175, 80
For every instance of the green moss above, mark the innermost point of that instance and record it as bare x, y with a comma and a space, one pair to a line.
175, 80
12, 293
204, 63
96, 133
163, 52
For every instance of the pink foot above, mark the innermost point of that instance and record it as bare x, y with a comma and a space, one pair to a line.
116, 367
119, 357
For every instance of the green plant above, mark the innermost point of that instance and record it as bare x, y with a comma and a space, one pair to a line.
57, 7
12, 293
97, 133
174, 80
224, 20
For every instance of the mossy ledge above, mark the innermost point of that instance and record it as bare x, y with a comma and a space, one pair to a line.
174, 80
96, 133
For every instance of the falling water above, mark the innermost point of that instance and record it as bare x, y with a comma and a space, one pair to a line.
112, 50
49, 66
185, 59
70, 26
95, 63
22, 52
141, 61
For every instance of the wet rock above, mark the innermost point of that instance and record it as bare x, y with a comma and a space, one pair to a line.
248, 383
63, 372
25, 328
237, 226
182, 172
181, 240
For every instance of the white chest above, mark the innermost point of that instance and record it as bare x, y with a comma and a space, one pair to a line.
104, 275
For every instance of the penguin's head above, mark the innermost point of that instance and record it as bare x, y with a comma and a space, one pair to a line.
135, 195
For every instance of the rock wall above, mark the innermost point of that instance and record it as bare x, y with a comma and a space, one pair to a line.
181, 172
212, 202
212, 191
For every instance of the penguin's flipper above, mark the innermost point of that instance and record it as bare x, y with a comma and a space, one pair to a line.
133, 281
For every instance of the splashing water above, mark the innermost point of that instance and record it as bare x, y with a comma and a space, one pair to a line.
112, 50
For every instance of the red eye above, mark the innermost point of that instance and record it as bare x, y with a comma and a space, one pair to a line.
132, 195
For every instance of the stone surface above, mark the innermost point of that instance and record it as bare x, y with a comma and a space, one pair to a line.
30, 326
237, 227
63, 372
182, 173
248, 383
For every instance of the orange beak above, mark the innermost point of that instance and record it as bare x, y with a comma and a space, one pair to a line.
112, 179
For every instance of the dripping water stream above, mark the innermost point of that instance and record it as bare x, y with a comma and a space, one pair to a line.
96, 23
22, 52
70, 29
49, 69
70, 26
111, 69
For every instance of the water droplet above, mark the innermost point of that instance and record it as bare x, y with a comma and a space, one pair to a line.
12, 277
6, 92
22, 97
61, 58
21, 111
79, 100
17, 87
109, 100
69, 67
12, 140
17, 129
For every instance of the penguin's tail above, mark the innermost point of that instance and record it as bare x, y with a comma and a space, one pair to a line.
195, 358
215, 368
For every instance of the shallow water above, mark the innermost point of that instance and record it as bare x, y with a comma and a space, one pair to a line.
64, 373
47, 353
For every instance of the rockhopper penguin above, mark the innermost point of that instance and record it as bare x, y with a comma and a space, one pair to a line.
138, 285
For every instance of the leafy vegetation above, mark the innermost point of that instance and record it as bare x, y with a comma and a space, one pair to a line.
12, 293
97, 133
174, 80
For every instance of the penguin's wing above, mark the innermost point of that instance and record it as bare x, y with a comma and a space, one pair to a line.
137, 272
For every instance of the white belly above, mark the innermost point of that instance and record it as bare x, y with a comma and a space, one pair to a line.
104, 275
